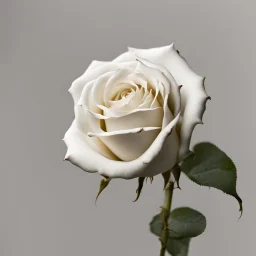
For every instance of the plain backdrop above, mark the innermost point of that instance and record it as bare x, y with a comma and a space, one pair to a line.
47, 205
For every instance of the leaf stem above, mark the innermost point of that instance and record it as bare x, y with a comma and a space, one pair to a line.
165, 215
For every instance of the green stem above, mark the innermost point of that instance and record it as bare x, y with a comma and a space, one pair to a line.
165, 215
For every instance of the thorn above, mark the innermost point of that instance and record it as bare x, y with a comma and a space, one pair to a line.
241, 212
241, 209
208, 98
66, 157
151, 179
140, 130
177, 51
199, 122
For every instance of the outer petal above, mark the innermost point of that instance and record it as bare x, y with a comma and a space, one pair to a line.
168, 81
193, 92
168, 116
95, 64
129, 144
160, 156
81, 123
124, 57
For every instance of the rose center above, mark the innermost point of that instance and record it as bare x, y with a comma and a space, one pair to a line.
125, 93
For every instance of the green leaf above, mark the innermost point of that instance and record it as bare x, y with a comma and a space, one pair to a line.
186, 222
209, 166
178, 247
183, 222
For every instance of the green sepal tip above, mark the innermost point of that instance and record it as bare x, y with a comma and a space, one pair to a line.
140, 186
103, 184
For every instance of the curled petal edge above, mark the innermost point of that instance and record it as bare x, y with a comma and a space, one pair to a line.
148, 164
193, 91
120, 132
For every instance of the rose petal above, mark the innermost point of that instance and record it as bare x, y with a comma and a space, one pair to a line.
112, 84
97, 91
159, 157
146, 103
137, 118
92, 97
193, 93
129, 144
122, 132
78, 85
171, 86
138, 79
81, 123
126, 56
95, 64
168, 116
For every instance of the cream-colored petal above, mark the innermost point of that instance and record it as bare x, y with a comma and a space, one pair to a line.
82, 123
85, 99
138, 79
147, 101
155, 101
78, 85
159, 157
92, 98
193, 93
167, 81
137, 118
164, 81
95, 64
110, 88
129, 144
86, 122
97, 91
79, 150
124, 57
168, 116
123, 132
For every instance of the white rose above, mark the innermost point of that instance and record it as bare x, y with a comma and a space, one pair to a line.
131, 117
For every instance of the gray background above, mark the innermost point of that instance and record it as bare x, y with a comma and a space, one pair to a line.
47, 205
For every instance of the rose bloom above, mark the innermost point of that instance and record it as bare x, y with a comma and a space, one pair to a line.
134, 116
